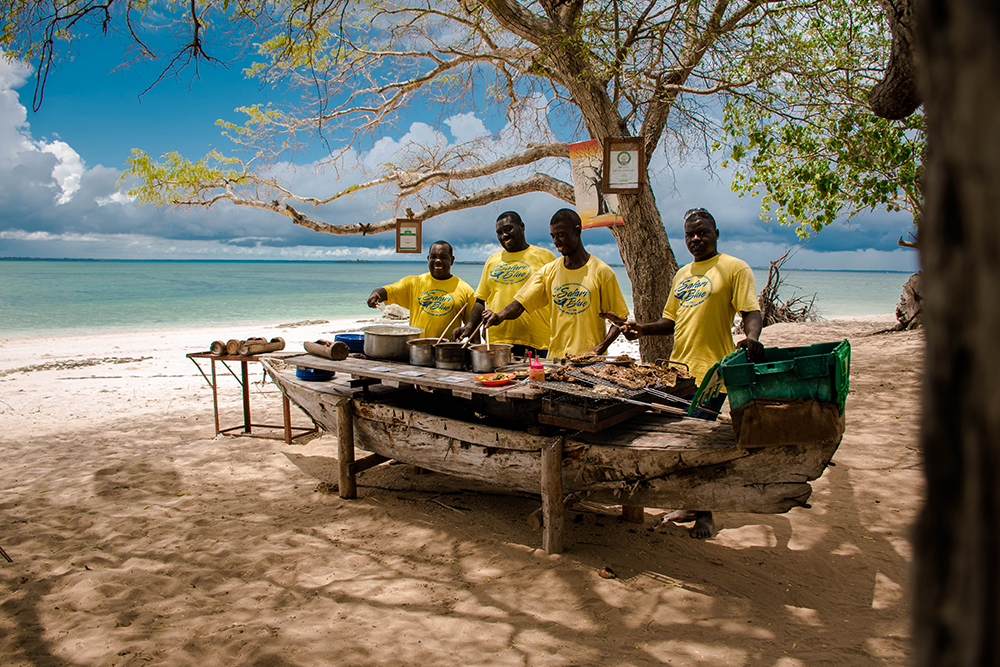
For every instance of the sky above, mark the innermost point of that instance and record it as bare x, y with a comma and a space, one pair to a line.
60, 169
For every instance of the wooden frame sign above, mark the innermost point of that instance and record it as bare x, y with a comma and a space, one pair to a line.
408, 235
623, 160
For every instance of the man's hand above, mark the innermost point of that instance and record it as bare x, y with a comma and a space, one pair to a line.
459, 333
374, 299
754, 348
490, 318
631, 330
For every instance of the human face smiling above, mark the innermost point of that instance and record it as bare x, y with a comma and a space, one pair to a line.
701, 239
439, 261
511, 235
565, 237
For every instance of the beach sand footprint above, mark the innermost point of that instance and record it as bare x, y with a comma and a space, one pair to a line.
135, 480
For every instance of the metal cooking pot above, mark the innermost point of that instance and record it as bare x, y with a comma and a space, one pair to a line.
422, 351
487, 358
388, 341
450, 356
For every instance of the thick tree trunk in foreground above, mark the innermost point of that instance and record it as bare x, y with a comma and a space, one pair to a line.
956, 584
650, 264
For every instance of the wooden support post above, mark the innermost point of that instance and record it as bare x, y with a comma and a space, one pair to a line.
246, 397
553, 509
634, 513
286, 411
345, 448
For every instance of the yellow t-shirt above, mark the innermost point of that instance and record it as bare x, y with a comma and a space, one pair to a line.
432, 303
703, 303
577, 297
503, 275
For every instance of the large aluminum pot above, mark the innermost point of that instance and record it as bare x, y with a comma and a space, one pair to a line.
450, 356
488, 358
386, 341
422, 351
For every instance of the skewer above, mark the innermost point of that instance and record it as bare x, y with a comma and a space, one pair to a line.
447, 328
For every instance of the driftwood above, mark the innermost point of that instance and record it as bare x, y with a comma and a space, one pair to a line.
773, 309
910, 309
336, 351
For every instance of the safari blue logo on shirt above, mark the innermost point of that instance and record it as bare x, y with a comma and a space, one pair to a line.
509, 273
571, 298
693, 291
436, 302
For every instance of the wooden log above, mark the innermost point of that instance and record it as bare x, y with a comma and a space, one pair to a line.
634, 513
218, 348
232, 346
369, 461
345, 449
336, 351
553, 509
250, 347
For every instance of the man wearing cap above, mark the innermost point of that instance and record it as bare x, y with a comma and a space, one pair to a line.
504, 273
577, 286
435, 298
703, 302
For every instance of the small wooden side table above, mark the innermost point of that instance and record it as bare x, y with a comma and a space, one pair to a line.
289, 432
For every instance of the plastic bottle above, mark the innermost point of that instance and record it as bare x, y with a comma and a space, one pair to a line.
536, 372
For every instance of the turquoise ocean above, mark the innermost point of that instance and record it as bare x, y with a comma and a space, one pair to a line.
54, 297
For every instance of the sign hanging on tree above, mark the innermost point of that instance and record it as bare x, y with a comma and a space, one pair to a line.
623, 160
408, 235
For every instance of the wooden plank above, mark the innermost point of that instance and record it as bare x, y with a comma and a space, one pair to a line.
368, 462
479, 434
553, 509
432, 377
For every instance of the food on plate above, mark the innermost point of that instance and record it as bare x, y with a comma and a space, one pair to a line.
495, 378
583, 359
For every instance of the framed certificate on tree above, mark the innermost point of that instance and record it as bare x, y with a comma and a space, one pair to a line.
408, 234
623, 171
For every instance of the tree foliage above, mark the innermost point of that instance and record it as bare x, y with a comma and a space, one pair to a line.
810, 147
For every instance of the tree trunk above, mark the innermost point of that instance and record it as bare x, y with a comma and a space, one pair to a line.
956, 581
650, 264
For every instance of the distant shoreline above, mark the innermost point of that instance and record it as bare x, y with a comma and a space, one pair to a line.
355, 261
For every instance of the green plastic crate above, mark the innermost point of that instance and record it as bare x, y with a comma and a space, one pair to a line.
821, 372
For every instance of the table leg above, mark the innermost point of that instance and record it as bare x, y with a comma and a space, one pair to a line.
246, 396
553, 508
345, 448
215, 398
286, 411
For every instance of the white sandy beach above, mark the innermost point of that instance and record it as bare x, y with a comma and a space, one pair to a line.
138, 538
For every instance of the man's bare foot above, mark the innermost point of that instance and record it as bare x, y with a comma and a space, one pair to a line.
704, 523
704, 526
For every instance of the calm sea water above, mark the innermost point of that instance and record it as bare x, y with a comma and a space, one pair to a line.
54, 297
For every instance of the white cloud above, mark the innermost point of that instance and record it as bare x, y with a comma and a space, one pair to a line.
69, 169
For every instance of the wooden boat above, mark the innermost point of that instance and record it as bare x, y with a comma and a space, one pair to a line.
650, 460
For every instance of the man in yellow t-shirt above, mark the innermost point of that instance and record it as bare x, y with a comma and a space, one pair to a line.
434, 298
703, 302
577, 286
504, 273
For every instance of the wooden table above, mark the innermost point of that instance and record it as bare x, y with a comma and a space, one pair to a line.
289, 432
651, 460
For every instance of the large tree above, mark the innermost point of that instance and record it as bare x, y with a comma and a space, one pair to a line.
955, 68
657, 70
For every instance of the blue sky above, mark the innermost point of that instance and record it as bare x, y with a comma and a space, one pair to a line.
59, 170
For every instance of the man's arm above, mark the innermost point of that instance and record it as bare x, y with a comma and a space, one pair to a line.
377, 296
511, 311
661, 327
753, 324
610, 338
